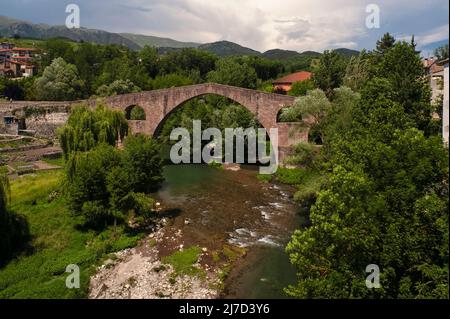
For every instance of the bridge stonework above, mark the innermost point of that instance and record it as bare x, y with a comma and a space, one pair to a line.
158, 104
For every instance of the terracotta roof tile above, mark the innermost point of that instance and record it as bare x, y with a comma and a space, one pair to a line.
294, 77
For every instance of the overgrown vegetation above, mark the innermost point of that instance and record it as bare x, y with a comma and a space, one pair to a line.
86, 129
384, 196
57, 241
102, 182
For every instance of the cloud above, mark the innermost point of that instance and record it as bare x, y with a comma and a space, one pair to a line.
260, 24
435, 35
135, 8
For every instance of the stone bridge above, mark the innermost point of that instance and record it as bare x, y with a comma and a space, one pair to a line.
159, 104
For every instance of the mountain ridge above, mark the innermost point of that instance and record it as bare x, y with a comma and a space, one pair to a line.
10, 27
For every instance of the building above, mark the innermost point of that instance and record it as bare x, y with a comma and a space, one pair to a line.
10, 68
435, 72
11, 56
284, 84
445, 127
6, 45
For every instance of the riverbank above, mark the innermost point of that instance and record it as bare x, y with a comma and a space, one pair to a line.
233, 220
218, 230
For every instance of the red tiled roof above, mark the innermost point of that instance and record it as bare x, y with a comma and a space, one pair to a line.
23, 49
294, 77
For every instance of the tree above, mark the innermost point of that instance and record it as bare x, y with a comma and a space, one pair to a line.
188, 61
168, 81
117, 87
149, 58
441, 53
265, 69
143, 163
384, 177
86, 128
301, 88
311, 110
385, 43
358, 71
411, 89
329, 71
230, 72
11, 89
60, 81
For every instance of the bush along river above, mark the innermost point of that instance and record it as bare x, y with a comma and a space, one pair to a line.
222, 235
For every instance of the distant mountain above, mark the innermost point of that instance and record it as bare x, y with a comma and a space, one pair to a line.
11, 27
347, 52
278, 54
311, 53
226, 48
143, 40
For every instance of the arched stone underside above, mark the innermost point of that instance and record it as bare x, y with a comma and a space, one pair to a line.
159, 104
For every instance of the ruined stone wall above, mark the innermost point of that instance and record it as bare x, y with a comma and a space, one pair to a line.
46, 125
44, 118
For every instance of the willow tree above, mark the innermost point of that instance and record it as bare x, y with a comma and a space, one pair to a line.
87, 128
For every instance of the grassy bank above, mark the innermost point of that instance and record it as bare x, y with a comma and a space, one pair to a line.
57, 241
307, 181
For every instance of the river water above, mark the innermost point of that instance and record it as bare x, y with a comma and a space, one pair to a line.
215, 207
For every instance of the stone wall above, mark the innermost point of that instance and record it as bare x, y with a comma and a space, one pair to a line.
46, 125
44, 118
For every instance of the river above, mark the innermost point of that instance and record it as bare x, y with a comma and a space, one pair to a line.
215, 207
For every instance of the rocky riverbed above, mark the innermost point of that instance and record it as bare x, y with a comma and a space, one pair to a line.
138, 273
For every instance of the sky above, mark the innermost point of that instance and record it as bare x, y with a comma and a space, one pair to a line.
299, 25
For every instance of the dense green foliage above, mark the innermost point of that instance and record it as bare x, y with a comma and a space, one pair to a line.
301, 88
441, 53
57, 240
136, 113
59, 82
230, 72
87, 128
13, 227
104, 183
329, 71
117, 87
385, 198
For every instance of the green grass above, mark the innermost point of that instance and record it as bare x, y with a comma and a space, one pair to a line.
265, 178
307, 181
311, 184
57, 242
15, 144
54, 161
183, 261
215, 164
291, 176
